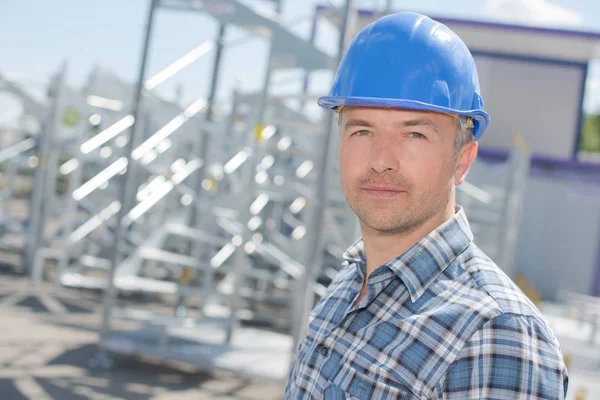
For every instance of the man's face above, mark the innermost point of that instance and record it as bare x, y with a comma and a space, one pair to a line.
397, 167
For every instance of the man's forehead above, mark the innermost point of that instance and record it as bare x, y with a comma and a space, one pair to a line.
386, 111
372, 115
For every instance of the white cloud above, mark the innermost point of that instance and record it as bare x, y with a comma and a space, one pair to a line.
535, 12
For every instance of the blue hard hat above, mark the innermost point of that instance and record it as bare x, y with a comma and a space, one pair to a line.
407, 60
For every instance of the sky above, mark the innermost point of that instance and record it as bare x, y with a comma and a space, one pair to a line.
37, 36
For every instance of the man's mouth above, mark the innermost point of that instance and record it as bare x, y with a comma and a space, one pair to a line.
383, 191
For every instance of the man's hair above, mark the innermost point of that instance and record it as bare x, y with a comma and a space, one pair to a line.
463, 136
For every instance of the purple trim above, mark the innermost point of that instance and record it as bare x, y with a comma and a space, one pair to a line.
522, 28
530, 59
550, 166
490, 24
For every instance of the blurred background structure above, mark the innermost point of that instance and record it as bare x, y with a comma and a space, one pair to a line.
169, 190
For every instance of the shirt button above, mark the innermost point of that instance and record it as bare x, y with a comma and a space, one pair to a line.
324, 351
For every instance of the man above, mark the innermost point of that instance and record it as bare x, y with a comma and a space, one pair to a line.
418, 311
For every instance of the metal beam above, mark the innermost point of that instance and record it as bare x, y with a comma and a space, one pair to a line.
126, 191
314, 250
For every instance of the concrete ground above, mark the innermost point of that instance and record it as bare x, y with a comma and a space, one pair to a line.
49, 334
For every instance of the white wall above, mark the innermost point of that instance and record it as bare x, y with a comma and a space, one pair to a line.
559, 235
540, 100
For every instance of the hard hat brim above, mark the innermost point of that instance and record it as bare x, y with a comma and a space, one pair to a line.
481, 118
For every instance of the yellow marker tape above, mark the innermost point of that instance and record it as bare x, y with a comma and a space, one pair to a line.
210, 184
581, 393
71, 117
213, 184
567, 360
529, 290
520, 142
469, 120
167, 173
186, 276
258, 130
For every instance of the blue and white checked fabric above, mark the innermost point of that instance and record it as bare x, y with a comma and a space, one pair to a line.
441, 321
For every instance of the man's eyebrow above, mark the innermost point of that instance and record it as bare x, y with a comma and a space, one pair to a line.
356, 123
418, 122
352, 123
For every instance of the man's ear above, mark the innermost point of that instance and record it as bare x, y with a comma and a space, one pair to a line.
465, 159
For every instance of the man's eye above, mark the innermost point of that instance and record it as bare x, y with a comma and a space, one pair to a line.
361, 133
417, 135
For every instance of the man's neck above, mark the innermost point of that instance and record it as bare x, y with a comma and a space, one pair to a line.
381, 248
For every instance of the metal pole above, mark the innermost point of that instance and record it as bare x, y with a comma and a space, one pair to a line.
232, 117
248, 182
134, 172
313, 36
351, 227
11, 178
314, 251
41, 183
204, 142
70, 215
388, 7
203, 145
126, 191
518, 170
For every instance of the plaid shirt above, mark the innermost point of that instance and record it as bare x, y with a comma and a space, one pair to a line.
441, 321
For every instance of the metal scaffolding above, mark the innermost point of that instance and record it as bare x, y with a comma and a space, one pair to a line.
232, 212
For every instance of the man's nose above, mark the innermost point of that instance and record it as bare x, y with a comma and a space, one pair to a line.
382, 158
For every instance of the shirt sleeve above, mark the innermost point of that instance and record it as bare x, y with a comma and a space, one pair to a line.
511, 356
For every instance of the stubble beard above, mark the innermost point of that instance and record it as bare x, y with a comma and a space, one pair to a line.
397, 216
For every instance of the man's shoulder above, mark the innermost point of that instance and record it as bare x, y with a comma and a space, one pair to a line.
497, 309
492, 294
481, 274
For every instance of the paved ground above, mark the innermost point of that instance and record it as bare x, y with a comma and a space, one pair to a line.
47, 337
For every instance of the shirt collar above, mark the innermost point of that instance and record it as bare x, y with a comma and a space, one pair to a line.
419, 266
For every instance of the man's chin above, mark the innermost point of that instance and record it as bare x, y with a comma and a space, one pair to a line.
384, 226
